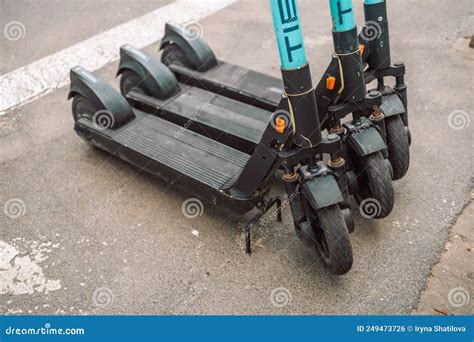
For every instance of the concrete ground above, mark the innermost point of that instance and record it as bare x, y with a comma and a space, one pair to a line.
449, 287
85, 233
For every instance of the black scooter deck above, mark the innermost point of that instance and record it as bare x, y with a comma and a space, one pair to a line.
242, 84
174, 154
220, 118
258, 89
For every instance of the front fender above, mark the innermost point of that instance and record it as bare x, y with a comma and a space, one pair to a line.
392, 105
364, 138
322, 191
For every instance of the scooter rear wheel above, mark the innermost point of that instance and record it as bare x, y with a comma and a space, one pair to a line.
332, 239
375, 186
81, 108
173, 54
397, 145
129, 81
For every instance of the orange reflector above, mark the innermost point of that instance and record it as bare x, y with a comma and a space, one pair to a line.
330, 82
361, 47
280, 125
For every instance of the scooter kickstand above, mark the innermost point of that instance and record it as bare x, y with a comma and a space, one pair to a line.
278, 204
248, 228
266, 205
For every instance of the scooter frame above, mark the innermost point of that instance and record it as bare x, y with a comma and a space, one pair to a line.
297, 149
362, 137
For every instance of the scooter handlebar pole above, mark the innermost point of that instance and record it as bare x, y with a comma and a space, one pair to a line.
346, 47
342, 15
295, 73
377, 34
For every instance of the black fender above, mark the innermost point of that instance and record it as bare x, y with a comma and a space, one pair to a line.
392, 105
364, 138
158, 80
322, 191
198, 52
100, 95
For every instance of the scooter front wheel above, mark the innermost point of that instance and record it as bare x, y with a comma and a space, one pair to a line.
397, 145
375, 186
334, 244
332, 239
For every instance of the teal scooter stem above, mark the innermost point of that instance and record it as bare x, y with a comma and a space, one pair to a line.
346, 47
296, 74
377, 34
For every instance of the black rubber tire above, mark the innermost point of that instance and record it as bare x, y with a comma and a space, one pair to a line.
173, 54
334, 244
397, 145
81, 108
375, 183
130, 80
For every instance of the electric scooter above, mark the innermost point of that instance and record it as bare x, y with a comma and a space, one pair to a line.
235, 180
376, 58
340, 92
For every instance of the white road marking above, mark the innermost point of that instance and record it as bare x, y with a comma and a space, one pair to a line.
39, 78
21, 274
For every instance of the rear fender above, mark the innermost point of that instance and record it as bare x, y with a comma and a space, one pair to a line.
198, 52
158, 79
100, 95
